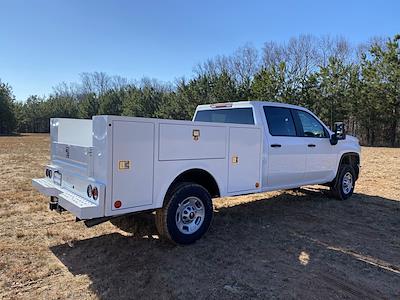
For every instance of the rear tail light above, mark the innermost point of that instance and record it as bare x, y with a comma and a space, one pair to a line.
89, 191
95, 193
92, 192
49, 173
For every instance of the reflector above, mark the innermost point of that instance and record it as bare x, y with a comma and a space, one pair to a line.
95, 193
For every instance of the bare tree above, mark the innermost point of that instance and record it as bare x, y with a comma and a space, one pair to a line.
273, 54
325, 49
301, 56
363, 48
342, 49
244, 63
66, 90
337, 47
96, 82
213, 66
241, 66
118, 82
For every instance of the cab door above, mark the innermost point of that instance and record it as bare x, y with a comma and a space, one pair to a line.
321, 155
285, 153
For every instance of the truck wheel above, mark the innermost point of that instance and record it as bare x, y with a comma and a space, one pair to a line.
186, 215
343, 186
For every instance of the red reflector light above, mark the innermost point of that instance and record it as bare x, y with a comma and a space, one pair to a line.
95, 193
117, 204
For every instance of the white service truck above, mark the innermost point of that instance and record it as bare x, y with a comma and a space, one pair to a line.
111, 166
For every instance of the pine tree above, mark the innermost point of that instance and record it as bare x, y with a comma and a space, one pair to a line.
7, 115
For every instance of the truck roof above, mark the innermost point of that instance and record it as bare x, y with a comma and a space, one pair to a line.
254, 103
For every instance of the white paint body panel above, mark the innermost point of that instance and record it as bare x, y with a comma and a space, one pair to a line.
89, 152
285, 166
133, 186
176, 144
73, 131
320, 160
246, 145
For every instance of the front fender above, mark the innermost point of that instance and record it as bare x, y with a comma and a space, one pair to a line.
349, 146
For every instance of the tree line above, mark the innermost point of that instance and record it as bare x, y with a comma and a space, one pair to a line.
359, 85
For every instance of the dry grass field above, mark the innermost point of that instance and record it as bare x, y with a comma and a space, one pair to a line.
274, 245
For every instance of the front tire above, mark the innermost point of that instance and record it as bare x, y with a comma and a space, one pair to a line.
343, 186
186, 215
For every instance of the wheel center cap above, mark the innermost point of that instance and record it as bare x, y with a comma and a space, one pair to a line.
191, 215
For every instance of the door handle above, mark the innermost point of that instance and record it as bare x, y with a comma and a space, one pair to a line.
276, 145
311, 145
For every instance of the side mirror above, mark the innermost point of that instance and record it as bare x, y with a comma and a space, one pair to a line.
339, 133
339, 130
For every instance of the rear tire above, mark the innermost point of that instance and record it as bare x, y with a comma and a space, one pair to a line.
186, 215
343, 186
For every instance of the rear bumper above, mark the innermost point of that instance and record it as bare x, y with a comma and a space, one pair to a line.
46, 187
77, 205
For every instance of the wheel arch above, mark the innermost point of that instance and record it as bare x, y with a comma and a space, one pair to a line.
350, 158
199, 176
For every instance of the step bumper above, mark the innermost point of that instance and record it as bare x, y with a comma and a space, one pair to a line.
77, 205
46, 187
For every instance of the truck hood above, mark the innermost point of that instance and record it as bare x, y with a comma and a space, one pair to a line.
352, 139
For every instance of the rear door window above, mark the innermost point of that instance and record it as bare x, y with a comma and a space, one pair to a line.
232, 115
280, 121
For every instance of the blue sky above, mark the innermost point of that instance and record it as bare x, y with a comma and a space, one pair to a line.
45, 42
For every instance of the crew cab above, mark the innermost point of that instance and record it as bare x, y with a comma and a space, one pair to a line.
113, 166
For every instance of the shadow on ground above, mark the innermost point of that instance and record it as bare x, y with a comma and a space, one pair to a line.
299, 244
